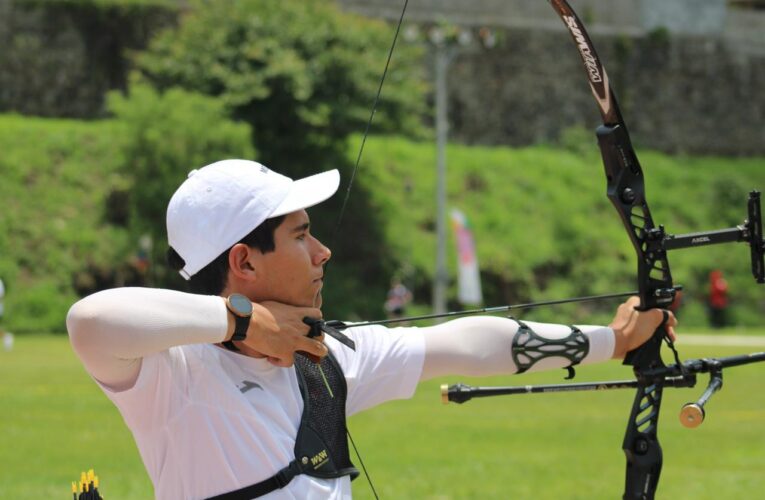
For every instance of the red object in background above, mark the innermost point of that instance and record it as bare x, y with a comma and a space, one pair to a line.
718, 290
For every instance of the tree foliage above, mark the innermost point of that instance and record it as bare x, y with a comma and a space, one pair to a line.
303, 74
167, 135
54, 177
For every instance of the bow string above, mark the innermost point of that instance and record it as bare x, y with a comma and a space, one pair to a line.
330, 328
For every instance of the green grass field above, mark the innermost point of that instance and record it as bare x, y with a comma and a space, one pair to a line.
55, 422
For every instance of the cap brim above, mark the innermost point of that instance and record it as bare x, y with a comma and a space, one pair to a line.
308, 192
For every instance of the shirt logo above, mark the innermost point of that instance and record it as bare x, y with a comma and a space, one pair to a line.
246, 385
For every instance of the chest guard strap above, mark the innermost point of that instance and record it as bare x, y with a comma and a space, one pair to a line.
321, 445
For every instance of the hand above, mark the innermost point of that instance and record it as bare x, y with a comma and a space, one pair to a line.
632, 328
277, 331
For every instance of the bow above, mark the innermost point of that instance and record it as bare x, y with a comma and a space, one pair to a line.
626, 190
656, 289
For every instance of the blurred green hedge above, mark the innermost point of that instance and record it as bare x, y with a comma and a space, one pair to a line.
75, 208
79, 196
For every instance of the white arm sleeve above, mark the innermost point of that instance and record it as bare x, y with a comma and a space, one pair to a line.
111, 331
482, 346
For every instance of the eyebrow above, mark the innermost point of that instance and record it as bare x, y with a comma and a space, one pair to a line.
300, 228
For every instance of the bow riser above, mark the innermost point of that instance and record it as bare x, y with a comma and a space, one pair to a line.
641, 444
626, 190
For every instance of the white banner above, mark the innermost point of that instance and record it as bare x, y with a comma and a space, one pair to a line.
468, 278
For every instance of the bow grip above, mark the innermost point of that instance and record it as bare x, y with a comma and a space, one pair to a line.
648, 355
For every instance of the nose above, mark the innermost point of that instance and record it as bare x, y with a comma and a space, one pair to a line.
321, 254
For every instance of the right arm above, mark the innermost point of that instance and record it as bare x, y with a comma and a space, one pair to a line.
111, 331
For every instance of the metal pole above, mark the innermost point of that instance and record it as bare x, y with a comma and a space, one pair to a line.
442, 126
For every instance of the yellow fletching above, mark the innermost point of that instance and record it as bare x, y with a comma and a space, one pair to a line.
88, 482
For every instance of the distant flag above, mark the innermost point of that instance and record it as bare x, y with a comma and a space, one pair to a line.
469, 279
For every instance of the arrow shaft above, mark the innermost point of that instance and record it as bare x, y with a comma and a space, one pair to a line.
494, 310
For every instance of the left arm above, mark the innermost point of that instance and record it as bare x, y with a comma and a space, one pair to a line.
482, 346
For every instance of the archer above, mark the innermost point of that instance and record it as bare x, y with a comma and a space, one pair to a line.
228, 391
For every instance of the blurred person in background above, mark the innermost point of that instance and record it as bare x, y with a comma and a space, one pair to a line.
397, 299
718, 299
224, 391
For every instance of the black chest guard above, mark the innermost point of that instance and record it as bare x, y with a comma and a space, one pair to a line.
321, 445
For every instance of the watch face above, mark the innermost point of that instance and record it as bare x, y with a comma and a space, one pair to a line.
240, 304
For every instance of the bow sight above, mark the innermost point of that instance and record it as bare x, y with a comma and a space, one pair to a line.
749, 232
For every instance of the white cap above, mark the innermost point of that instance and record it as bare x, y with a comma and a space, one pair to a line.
218, 205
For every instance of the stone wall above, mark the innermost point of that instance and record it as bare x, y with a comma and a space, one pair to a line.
60, 58
679, 94
685, 83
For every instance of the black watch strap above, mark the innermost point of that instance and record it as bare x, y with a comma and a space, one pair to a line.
240, 328
230, 346
240, 331
241, 323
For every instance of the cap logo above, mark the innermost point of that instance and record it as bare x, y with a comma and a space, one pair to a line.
264, 169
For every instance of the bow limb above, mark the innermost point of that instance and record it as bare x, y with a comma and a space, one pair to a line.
626, 190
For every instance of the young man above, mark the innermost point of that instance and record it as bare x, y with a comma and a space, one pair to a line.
205, 381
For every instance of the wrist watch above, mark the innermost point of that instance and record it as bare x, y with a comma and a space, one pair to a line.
241, 308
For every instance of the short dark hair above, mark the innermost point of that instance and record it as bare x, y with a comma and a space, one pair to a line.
212, 279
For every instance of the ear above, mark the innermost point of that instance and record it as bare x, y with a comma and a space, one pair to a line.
240, 262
